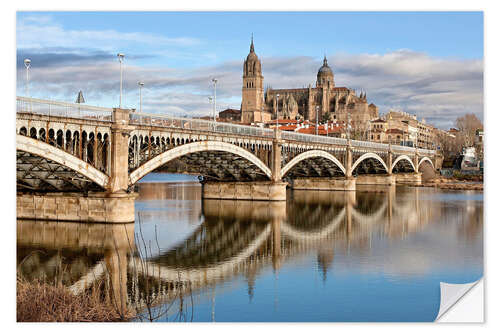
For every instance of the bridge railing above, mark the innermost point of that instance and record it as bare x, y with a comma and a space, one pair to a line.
62, 109
312, 138
369, 144
426, 151
198, 125
403, 148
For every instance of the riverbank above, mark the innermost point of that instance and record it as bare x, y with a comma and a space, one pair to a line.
42, 302
475, 183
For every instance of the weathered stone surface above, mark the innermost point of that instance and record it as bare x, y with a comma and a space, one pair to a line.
265, 190
74, 207
376, 180
324, 184
414, 178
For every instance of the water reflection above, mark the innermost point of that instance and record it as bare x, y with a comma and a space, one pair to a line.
183, 250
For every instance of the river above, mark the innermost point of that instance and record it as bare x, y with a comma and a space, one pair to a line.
374, 255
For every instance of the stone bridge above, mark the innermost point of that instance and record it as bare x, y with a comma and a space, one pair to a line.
78, 162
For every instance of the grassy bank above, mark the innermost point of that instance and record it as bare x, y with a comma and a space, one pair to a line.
38, 301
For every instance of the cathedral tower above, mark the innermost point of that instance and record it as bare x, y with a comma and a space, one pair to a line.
252, 96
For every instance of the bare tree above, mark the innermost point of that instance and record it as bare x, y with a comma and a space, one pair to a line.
467, 126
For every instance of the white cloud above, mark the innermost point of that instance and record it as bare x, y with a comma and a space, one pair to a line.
42, 32
438, 89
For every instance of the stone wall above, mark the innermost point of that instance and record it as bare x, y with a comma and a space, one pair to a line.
76, 207
264, 190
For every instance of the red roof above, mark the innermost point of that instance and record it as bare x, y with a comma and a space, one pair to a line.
282, 121
312, 130
288, 128
394, 131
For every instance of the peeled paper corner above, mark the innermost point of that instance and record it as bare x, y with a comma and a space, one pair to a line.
452, 296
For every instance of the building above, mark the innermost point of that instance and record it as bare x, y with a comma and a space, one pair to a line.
230, 115
404, 129
323, 102
252, 94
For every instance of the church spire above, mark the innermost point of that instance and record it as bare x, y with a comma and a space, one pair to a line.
325, 62
251, 45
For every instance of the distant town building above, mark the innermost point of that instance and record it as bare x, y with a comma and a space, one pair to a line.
230, 115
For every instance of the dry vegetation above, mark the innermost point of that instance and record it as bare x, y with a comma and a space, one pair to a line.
38, 301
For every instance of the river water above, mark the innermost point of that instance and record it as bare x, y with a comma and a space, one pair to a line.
374, 255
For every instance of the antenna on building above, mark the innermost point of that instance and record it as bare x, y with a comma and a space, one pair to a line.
79, 98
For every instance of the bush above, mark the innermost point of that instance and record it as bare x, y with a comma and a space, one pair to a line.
42, 302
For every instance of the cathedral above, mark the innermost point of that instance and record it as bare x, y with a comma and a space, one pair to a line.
325, 101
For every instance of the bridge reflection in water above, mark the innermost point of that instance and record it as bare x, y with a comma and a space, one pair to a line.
228, 239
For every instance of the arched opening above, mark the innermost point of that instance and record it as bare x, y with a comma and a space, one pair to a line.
369, 163
33, 133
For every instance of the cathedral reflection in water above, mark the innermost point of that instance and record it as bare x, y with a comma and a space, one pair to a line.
182, 246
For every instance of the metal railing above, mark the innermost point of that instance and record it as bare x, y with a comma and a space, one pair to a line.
426, 151
403, 148
82, 111
62, 109
198, 125
369, 144
313, 138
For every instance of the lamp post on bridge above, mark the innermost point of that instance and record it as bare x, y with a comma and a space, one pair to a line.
141, 84
27, 64
214, 80
120, 58
317, 109
277, 109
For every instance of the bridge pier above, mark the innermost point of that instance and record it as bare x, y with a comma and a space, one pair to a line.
324, 184
95, 207
259, 190
414, 178
383, 179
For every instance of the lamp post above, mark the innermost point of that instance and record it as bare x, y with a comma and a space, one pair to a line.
141, 84
120, 58
348, 126
27, 64
214, 80
277, 109
317, 109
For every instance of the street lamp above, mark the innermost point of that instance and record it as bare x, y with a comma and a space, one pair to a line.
141, 84
348, 126
277, 109
214, 80
120, 58
210, 101
27, 64
317, 109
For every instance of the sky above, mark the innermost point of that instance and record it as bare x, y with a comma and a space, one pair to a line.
425, 63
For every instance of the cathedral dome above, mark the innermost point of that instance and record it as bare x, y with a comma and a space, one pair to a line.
325, 69
325, 75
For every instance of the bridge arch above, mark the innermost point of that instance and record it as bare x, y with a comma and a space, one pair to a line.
195, 147
310, 154
401, 158
368, 156
45, 150
424, 159
316, 235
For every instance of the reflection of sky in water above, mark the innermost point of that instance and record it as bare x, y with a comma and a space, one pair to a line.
391, 274
382, 262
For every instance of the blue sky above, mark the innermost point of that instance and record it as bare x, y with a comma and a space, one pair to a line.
427, 63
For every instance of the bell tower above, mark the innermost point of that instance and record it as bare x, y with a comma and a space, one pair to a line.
252, 95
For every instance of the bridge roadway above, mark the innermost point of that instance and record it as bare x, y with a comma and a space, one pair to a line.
78, 162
